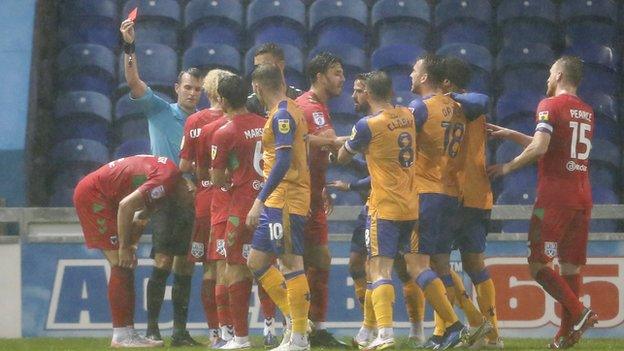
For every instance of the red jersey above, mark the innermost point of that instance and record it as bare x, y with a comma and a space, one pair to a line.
189, 150
237, 146
154, 176
317, 117
220, 197
563, 172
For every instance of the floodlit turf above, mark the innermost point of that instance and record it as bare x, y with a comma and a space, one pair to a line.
97, 344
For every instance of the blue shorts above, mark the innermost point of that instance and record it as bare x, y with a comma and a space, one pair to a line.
473, 229
358, 240
387, 237
437, 223
279, 232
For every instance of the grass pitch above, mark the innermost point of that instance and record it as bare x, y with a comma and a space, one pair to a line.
97, 344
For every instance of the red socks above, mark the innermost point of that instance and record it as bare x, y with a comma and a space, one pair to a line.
267, 305
223, 305
239, 306
574, 282
121, 296
557, 287
209, 302
318, 280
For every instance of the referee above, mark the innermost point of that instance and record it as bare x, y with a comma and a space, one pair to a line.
172, 223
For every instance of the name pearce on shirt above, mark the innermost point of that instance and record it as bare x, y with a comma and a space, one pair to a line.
400, 123
580, 114
253, 133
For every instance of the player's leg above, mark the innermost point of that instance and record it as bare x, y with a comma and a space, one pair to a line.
209, 303
357, 271
414, 301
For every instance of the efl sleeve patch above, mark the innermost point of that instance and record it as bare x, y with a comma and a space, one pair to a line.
283, 126
319, 118
157, 192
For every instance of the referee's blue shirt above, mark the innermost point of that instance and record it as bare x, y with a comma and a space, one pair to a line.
165, 122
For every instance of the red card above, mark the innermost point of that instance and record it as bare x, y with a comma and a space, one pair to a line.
133, 14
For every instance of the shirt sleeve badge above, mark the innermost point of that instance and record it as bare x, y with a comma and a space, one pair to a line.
283, 126
542, 116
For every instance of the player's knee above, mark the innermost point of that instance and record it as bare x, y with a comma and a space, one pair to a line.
569, 268
320, 258
473, 263
535, 267
182, 266
163, 261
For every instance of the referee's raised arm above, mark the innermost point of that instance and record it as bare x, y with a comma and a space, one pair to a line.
137, 86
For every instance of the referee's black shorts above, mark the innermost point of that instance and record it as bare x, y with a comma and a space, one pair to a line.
172, 227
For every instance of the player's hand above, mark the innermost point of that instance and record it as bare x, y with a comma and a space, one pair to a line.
328, 203
127, 257
127, 31
339, 142
254, 214
339, 185
497, 132
498, 170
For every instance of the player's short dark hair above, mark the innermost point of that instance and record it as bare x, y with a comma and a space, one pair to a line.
434, 68
379, 85
321, 63
269, 76
572, 68
457, 71
272, 49
360, 76
193, 72
233, 89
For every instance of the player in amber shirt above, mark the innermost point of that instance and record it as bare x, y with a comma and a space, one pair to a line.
189, 159
560, 221
279, 212
106, 202
327, 77
237, 148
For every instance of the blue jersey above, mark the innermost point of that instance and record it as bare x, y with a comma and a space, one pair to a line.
165, 122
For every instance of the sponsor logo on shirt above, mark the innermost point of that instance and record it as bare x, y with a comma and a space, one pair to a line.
283, 125
542, 116
572, 166
257, 185
550, 249
195, 133
157, 192
319, 118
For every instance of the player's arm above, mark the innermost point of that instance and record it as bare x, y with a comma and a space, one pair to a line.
536, 149
358, 142
474, 105
499, 132
360, 184
130, 204
284, 128
131, 71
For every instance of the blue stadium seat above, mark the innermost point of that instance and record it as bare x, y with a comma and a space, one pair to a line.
130, 123
86, 67
525, 178
65, 180
342, 198
528, 21
214, 22
397, 61
603, 175
478, 57
603, 195
293, 58
529, 79
334, 22
79, 151
132, 147
516, 196
210, 56
529, 54
589, 22
600, 67
277, 21
87, 21
61, 197
603, 105
516, 104
158, 67
344, 126
608, 130
507, 151
605, 152
523, 125
461, 21
83, 115
401, 22
342, 108
403, 97
157, 22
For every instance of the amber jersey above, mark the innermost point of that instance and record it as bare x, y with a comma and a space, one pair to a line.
388, 142
475, 189
286, 128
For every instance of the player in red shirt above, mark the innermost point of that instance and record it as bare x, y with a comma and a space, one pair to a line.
560, 221
189, 156
110, 204
327, 77
237, 149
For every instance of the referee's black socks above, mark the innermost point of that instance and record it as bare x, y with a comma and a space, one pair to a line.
180, 295
155, 295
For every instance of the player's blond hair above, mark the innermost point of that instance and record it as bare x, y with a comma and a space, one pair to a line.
211, 81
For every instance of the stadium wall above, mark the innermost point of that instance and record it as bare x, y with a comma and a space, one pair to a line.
16, 45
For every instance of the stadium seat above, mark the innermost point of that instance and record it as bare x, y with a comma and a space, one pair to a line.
608, 130
600, 68
604, 105
130, 123
334, 22
603, 175
401, 22
294, 70
603, 195
529, 54
516, 196
132, 147
61, 197
83, 115
606, 152
158, 67
525, 178
516, 104
277, 21
342, 108
397, 61
209, 56
343, 198
588, 22
79, 151
403, 98
86, 67
527, 21
214, 22
157, 22
478, 57
344, 126
523, 125
507, 151
530, 79
88, 22
461, 21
